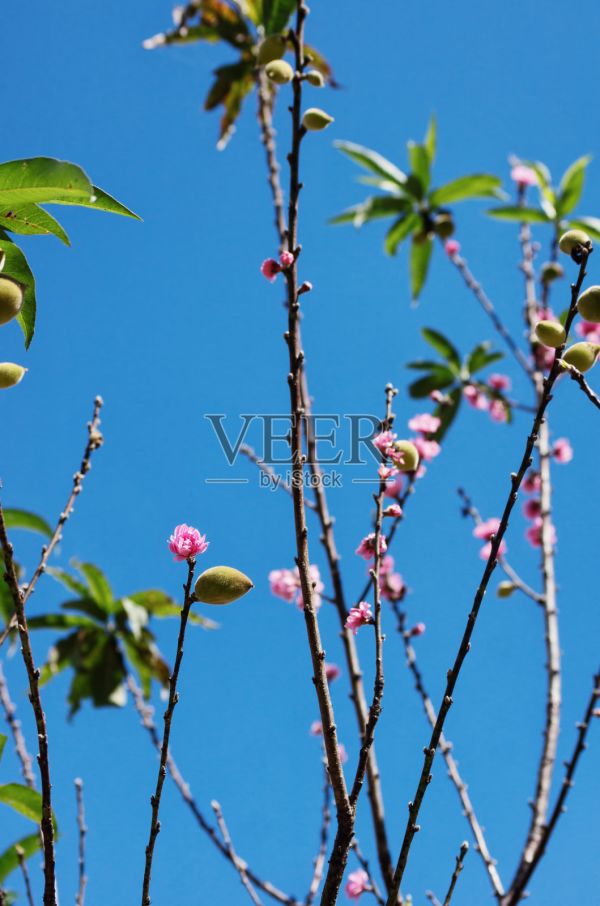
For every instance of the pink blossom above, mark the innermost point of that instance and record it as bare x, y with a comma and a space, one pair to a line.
394, 488
534, 533
499, 381
332, 672
475, 398
487, 529
186, 542
386, 565
418, 629
386, 472
498, 411
524, 176
486, 550
283, 584
357, 884
359, 616
532, 508
269, 269
562, 450
366, 548
392, 586
428, 449
589, 331
286, 259
425, 423
437, 396
543, 356
343, 755
384, 440
532, 483
451, 247
316, 728
394, 510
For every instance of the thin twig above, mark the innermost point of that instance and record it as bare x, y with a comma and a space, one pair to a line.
17, 734
266, 102
464, 849
82, 829
432, 898
319, 863
188, 600
278, 481
364, 864
577, 376
229, 844
516, 479
25, 872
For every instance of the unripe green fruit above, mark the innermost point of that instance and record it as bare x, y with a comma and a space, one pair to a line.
582, 356
280, 72
315, 119
11, 299
552, 270
443, 226
272, 48
570, 241
10, 374
410, 458
315, 78
505, 589
221, 585
550, 333
588, 304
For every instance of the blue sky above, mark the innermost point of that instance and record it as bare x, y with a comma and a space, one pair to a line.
170, 319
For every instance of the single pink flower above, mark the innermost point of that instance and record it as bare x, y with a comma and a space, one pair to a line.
357, 884
451, 247
343, 755
524, 176
418, 629
532, 483
332, 672
392, 587
286, 259
486, 550
394, 510
497, 411
283, 584
487, 529
269, 269
186, 542
425, 423
386, 565
475, 398
589, 331
366, 548
384, 440
394, 488
316, 728
532, 508
359, 616
534, 533
386, 472
428, 449
499, 381
562, 450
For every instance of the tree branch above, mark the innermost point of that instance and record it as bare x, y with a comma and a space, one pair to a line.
82, 829
232, 854
577, 376
323, 838
17, 734
464, 849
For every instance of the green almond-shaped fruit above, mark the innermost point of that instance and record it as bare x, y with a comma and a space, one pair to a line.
11, 299
315, 78
505, 589
588, 304
410, 456
315, 119
10, 374
221, 585
279, 71
550, 333
582, 356
272, 48
552, 270
570, 241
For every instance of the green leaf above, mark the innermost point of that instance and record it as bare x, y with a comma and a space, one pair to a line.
422, 365
3, 741
159, 604
430, 141
442, 345
39, 179
98, 585
372, 161
23, 519
99, 201
372, 208
69, 581
60, 621
439, 378
481, 357
399, 231
16, 266
87, 607
231, 85
590, 225
276, 14
517, 214
420, 256
571, 185
31, 220
22, 799
447, 413
9, 860
419, 164
477, 185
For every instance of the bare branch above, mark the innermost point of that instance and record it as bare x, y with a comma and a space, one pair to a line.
232, 854
82, 830
464, 849
577, 376
25, 872
364, 864
323, 838
277, 480
15, 728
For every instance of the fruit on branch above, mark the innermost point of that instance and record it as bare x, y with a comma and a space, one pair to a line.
588, 304
505, 589
10, 374
272, 48
221, 585
11, 299
443, 225
574, 243
315, 78
550, 333
582, 356
280, 72
315, 119
552, 270
409, 460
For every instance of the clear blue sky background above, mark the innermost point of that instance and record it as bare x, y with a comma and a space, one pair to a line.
171, 319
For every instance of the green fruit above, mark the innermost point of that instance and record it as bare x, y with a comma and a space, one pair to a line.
443, 225
550, 333
315, 119
573, 241
10, 374
552, 270
505, 589
582, 356
221, 585
588, 304
410, 459
11, 299
272, 48
279, 71
315, 78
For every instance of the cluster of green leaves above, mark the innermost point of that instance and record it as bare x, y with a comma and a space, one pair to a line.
451, 373
242, 25
24, 186
556, 203
418, 210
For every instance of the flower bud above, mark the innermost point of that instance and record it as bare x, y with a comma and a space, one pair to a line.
505, 589
552, 270
443, 225
573, 242
315, 119
582, 356
410, 455
272, 48
11, 299
10, 374
550, 333
279, 71
221, 585
588, 304
315, 78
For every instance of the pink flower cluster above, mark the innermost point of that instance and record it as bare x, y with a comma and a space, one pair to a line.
359, 616
495, 408
487, 531
285, 583
186, 542
357, 884
270, 267
562, 452
366, 548
424, 425
589, 331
